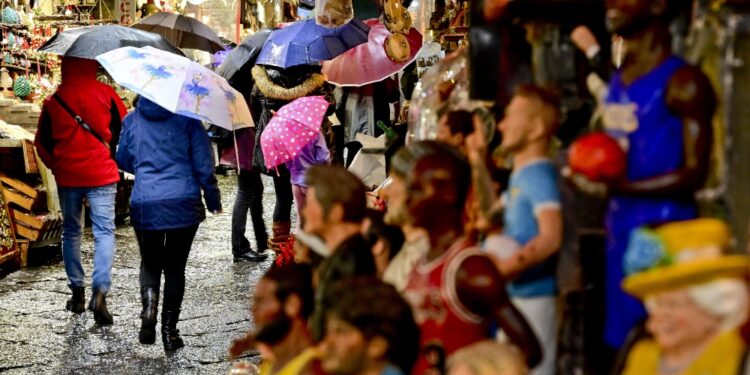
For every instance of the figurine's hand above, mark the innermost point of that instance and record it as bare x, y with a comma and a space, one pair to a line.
244, 368
508, 268
494, 9
476, 142
597, 189
584, 39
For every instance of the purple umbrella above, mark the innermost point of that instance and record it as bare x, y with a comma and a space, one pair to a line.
305, 42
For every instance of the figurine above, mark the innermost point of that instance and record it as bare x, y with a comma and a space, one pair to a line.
456, 291
659, 109
696, 297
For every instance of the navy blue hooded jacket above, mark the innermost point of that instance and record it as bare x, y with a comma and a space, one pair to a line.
172, 159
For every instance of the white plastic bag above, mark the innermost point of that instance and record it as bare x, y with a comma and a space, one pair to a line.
369, 167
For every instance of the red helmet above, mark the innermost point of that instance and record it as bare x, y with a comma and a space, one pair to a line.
598, 157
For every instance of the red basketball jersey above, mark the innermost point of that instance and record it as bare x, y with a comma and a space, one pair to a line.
442, 319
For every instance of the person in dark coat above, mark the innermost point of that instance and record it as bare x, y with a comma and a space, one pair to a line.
249, 195
81, 160
172, 160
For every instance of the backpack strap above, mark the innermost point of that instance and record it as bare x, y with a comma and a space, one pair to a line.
80, 121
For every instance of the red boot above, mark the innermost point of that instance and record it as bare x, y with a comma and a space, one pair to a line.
281, 230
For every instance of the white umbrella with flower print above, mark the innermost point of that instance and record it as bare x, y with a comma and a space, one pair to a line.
179, 85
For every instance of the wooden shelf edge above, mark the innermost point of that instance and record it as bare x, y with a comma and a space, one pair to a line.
11, 255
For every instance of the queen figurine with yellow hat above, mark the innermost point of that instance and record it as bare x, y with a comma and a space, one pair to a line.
696, 296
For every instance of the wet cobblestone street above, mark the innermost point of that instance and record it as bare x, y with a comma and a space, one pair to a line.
38, 336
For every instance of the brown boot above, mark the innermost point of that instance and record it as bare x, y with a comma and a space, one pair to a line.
281, 230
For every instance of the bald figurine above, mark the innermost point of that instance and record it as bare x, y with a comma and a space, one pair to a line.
659, 109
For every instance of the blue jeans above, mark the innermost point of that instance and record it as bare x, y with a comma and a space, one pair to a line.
102, 209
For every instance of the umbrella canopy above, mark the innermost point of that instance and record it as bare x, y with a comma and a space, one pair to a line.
305, 42
91, 41
293, 127
243, 57
182, 31
179, 85
371, 59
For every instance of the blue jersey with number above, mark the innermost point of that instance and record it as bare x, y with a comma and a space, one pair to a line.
638, 117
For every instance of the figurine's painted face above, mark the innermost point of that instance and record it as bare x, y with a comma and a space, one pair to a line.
314, 214
344, 348
676, 320
430, 190
272, 324
627, 17
265, 304
395, 196
444, 134
517, 124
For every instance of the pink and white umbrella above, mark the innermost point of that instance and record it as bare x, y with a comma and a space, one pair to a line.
292, 128
368, 63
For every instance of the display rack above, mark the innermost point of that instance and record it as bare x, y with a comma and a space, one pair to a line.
17, 49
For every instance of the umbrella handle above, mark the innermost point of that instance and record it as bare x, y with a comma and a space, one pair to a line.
236, 151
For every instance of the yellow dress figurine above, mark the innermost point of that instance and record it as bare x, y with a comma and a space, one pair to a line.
297, 366
696, 297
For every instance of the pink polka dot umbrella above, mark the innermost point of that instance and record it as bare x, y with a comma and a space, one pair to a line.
292, 128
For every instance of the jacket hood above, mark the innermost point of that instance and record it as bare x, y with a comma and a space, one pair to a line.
151, 110
298, 87
77, 69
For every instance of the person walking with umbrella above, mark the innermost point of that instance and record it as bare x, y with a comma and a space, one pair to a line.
172, 160
293, 138
275, 87
165, 146
285, 71
75, 139
236, 70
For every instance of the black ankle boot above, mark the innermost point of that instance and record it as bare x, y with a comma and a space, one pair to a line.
150, 301
76, 303
170, 335
98, 305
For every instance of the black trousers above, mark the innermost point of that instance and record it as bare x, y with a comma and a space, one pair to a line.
250, 196
165, 251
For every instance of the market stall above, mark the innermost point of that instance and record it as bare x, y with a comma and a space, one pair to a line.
30, 212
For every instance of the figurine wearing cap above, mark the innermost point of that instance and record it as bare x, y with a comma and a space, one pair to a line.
696, 297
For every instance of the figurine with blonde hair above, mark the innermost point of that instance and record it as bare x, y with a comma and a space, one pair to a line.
487, 357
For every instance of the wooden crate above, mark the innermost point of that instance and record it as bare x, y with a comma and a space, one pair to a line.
28, 219
23, 252
13, 196
26, 232
30, 163
8, 244
21, 186
43, 229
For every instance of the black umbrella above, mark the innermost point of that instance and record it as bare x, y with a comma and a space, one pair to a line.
91, 41
242, 58
182, 31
